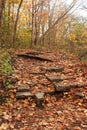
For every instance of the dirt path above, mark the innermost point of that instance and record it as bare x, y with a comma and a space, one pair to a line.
61, 111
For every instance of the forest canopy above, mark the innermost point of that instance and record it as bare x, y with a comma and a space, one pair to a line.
30, 23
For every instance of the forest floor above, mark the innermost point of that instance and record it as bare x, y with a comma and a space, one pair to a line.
62, 111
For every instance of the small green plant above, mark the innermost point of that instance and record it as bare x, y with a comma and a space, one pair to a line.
5, 63
0, 111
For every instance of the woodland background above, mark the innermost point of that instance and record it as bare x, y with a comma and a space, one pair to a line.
39, 23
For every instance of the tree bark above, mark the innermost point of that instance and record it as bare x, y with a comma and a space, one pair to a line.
2, 5
16, 23
32, 32
57, 21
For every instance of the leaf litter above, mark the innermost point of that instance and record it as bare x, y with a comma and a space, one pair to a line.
64, 111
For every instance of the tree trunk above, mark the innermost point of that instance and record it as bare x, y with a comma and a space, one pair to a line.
16, 23
9, 11
32, 32
49, 25
36, 37
2, 5
57, 21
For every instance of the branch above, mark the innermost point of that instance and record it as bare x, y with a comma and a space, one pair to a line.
59, 18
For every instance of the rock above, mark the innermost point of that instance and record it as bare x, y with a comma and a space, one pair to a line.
23, 88
37, 73
34, 57
45, 83
39, 95
79, 95
34, 53
66, 87
23, 95
59, 112
31, 84
54, 69
54, 78
63, 87
39, 99
58, 79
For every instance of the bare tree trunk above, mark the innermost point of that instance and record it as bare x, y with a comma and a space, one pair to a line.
16, 23
32, 31
57, 21
43, 42
49, 25
9, 11
37, 8
36, 22
2, 5
40, 23
13, 12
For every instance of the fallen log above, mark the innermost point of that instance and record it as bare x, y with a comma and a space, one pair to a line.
67, 87
34, 57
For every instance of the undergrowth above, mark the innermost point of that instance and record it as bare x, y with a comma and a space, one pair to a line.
5, 63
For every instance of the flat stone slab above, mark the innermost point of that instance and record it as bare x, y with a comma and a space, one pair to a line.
39, 96
23, 95
66, 87
45, 83
54, 69
62, 87
23, 88
57, 79
39, 99
31, 84
54, 78
79, 95
37, 73
34, 57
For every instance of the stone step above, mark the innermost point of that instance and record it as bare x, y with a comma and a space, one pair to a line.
45, 84
54, 78
54, 69
23, 95
57, 79
66, 87
37, 73
79, 95
39, 99
23, 88
62, 87
39, 95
